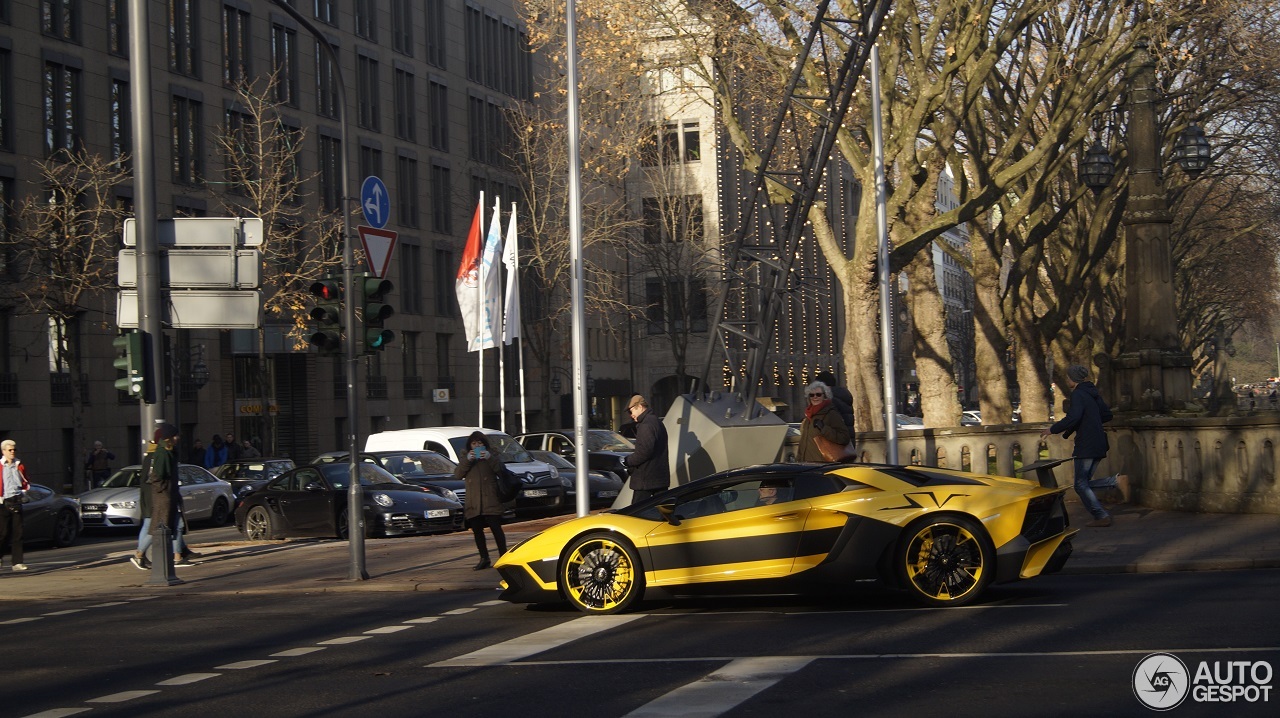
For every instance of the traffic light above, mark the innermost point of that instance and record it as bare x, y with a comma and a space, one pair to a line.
129, 359
327, 314
374, 310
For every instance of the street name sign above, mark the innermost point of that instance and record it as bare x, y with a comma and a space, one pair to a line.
201, 232
196, 309
197, 268
378, 244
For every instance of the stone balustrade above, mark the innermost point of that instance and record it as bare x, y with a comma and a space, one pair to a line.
1213, 464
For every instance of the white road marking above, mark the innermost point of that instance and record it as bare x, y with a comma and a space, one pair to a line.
297, 652
241, 665
187, 679
490, 603
459, 611
58, 712
388, 629
107, 605
343, 640
424, 619
143, 598
720, 691
63, 613
543, 640
121, 697
28, 619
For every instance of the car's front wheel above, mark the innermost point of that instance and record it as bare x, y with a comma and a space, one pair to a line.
257, 524
945, 560
65, 529
600, 574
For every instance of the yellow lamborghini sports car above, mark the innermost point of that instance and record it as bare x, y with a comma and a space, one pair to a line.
940, 535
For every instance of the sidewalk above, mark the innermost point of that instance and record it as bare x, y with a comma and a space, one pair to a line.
1141, 540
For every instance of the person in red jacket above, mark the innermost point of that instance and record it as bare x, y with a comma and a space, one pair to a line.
13, 476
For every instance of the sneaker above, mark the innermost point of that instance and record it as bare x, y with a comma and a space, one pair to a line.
140, 562
19, 567
181, 560
1101, 523
189, 554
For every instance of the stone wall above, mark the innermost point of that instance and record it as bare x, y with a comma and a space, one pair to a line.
1218, 464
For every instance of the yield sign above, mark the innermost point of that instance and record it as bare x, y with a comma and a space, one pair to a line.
378, 244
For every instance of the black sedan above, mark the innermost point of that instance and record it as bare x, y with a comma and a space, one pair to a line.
51, 517
247, 475
312, 501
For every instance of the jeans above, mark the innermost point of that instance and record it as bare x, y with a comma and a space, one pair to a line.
144, 538
1085, 484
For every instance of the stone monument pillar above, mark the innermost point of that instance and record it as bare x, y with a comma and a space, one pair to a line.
1152, 372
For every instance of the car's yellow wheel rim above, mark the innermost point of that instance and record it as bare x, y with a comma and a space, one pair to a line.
944, 562
600, 576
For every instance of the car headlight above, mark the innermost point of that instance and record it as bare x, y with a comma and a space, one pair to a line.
565, 482
449, 494
555, 473
383, 500
124, 505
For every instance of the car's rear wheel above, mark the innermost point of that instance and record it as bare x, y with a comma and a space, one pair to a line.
945, 560
220, 513
257, 524
600, 574
65, 528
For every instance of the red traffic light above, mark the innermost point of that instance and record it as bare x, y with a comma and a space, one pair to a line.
327, 289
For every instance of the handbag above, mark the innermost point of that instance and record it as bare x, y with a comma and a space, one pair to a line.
831, 451
509, 485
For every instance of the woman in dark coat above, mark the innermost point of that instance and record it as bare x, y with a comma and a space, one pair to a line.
821, 417
479, 468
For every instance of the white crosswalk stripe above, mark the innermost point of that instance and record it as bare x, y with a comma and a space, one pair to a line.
719, 691
534, 643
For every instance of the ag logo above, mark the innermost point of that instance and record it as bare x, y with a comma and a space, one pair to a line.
1161, 681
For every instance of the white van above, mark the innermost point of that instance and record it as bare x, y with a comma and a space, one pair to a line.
544, 487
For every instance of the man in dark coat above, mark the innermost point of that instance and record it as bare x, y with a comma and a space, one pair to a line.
1085, 417
649, 465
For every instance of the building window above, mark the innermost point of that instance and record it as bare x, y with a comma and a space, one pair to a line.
489, 133
62, 109
6, 100
367, 82
330, 173
370, 161
402, 26
240, 164
444, 368
406, 107
672, 219
445, 272
475, 43
326, 84
6, 246
366, 12
411, 278
441, 196
284, 56
187, 140
673, 143
438, 115
407, 190
675, 305
118, 27
61, 19
436, 28
184, 37
326, 11
235, 46
121, 120
411, 368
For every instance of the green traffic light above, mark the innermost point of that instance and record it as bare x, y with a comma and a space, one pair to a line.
129, 359
373, 311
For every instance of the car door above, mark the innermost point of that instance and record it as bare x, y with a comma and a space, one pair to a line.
311, 511
38, 515
720, 533
197, 494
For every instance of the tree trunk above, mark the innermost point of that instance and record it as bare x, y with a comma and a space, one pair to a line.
861, 349
990, 341
933, 360
1032, 376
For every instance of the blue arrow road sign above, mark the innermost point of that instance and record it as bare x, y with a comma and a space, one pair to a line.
375, 202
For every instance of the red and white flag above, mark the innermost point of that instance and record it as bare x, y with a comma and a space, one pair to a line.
467, 283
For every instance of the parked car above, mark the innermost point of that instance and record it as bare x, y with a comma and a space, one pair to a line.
115, 504
428, 469
312, 501
247, 475
972, 417
542, 488
51, 517
910, 422
605, 448
603, 486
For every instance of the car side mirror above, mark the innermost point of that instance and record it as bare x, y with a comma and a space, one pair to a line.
313, 486
668, 512
567, 451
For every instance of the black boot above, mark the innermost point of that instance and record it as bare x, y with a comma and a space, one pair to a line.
484, 563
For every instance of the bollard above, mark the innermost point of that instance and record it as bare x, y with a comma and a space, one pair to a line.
162, 573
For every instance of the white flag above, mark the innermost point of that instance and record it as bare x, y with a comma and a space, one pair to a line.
491, 286
511, 311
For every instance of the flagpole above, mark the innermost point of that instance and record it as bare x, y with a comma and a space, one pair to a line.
502, 355
480, 321
515, 261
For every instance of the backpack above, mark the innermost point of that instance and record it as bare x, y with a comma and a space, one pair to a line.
508, 485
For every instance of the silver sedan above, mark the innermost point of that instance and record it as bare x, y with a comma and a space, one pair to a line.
116, 503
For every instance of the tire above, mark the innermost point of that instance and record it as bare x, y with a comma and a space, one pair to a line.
66, 529
218, 517
257, 524
342, 527
945, 560
600, 574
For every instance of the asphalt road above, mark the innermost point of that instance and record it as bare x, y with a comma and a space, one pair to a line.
1058, 646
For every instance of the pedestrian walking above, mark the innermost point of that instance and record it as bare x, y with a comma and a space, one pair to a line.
13, 478
159, 491
821, 419
98, 464
1085, 417
648, 465
479, 469
181, 554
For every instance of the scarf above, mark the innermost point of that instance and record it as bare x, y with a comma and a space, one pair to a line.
813, 410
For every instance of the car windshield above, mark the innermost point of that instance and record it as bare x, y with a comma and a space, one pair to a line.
507, 448
122, 479
417, 462
606, 440
370, 474
554, 459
